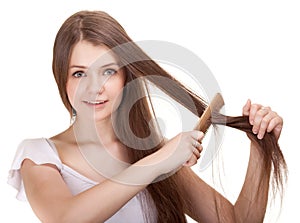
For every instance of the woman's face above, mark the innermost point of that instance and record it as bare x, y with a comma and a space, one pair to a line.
95, 81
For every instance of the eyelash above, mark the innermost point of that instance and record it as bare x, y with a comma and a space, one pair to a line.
110, 69
82, 74
75, 74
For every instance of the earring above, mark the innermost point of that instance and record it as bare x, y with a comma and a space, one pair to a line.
73, 118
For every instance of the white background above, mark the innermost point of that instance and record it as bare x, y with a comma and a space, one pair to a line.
251, 47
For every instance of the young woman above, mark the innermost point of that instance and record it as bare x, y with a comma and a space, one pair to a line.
113, 164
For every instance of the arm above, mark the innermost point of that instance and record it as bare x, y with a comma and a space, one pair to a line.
207, 205
252, 201
254, 193
210, 206
51, 200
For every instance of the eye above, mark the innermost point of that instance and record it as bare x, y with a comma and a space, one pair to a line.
79, 74
109, 72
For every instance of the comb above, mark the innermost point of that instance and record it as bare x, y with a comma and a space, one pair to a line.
215, 106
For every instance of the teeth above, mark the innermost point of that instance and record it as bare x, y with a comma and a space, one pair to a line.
95, 102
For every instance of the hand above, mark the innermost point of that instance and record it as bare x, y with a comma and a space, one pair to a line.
196, 149
183, 149
263, 119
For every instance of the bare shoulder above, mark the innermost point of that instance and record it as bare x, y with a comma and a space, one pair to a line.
38, 171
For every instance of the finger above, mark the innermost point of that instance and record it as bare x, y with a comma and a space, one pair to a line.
277, 121
275, 125
264, 125
197, 135
258, 118
197, 145
277, 131
196, 153
256, 110
197, 148
192, 161
253, 109
246, 108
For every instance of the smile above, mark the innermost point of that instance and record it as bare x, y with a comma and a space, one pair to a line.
98, 102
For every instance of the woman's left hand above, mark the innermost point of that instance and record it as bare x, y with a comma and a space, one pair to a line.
263, 119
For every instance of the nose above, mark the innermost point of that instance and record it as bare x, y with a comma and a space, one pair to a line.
95, 85
101, 89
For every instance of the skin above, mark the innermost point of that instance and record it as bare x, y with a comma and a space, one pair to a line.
50, 197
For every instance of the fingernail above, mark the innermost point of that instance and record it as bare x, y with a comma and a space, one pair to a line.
259, 136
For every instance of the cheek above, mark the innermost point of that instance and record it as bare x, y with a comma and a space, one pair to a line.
71, 91
116, 92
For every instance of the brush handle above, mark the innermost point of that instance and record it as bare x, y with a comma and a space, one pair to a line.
215, 105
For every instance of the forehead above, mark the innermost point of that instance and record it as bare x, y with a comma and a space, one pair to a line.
86, 54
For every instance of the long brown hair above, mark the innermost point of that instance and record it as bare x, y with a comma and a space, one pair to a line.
99, 28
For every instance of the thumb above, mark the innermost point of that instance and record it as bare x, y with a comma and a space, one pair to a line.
246, 108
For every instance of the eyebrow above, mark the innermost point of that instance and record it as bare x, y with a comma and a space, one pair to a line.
78, 66
85, 67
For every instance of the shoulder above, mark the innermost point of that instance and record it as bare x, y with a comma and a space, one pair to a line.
39, 146
34, 143
38, 150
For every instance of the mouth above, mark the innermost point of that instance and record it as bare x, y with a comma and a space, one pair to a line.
96, 102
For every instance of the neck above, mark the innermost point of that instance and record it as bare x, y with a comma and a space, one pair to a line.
94, 132
99, 145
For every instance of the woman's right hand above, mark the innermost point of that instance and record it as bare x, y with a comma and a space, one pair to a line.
183, 149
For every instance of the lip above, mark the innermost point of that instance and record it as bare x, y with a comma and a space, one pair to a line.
96, 103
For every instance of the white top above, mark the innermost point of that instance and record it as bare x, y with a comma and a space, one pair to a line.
41, 151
